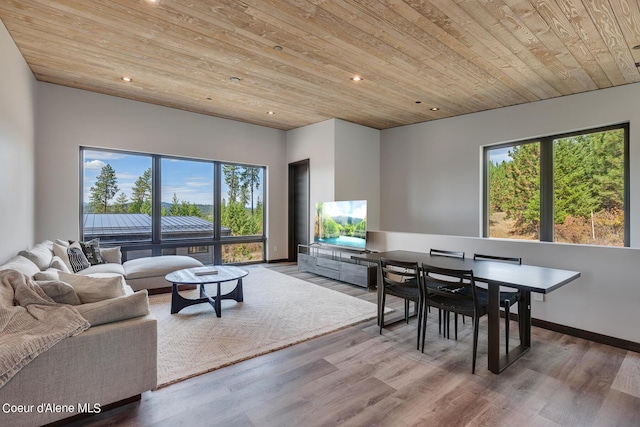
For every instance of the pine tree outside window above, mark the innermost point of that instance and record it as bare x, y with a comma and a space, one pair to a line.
570, 188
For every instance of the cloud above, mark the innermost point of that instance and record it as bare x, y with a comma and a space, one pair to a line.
94, 164
104, 155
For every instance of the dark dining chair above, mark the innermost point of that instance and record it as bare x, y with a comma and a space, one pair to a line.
453, 291
400, 279
507, 298
444, 327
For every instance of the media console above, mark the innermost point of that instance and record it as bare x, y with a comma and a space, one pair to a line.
336, 263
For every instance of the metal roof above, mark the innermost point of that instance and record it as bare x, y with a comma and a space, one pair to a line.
136, 224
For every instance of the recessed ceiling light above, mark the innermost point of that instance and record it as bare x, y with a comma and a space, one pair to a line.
418, 102
271, 113
357, 78
209, 98
126, 79
234, 79
278, 48
637, 47
435, 109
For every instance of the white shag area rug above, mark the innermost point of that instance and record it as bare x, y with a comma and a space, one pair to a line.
278, 311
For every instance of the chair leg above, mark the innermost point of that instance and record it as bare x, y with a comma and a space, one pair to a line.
456, 326
424, 326
507, 315
382, 300
447, 325
406, 311
420, 310
476, 324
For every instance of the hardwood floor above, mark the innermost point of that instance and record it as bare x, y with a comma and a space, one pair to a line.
357, 377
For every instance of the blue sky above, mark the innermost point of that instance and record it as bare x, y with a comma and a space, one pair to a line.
498, 155
191, 181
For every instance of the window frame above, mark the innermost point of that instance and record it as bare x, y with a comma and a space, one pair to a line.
156, 244
547, 179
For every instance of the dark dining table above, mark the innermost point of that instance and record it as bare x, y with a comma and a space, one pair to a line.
526, 278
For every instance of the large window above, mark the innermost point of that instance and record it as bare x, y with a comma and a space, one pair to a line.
151, 205
187, 198
570, 188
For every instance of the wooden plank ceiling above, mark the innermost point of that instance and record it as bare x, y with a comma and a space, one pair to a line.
296, 58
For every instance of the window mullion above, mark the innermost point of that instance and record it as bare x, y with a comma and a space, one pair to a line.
156, 199
217, 217
546, 190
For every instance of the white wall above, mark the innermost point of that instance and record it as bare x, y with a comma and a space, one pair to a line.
438, 166
17, 107
344, 161
69, 118
316, 143
357, 171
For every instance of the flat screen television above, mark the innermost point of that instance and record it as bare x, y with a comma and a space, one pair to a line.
342, 224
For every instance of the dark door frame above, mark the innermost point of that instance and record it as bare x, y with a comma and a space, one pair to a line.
293, 249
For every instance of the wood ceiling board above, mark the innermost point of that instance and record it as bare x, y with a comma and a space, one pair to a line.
463, 56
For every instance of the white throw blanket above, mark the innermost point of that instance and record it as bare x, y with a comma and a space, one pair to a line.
30, 322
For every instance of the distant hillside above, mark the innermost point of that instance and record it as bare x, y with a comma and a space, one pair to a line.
205, 209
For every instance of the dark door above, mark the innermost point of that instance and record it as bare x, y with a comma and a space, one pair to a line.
298, 206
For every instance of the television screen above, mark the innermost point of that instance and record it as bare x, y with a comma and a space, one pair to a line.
341, 224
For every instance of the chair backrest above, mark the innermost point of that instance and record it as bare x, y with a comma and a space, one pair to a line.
515, 260
393, 272
440, 252
450, 283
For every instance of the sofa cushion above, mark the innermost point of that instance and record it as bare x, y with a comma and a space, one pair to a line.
41, 254
111, 255
158, 266
22, 265
49, 274
61, 252
59, 264
60, 292
116, 309
92, 289
103, 268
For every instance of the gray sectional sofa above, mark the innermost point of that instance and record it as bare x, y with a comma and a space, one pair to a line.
113, 361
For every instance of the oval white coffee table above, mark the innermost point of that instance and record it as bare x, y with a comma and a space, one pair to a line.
202, 276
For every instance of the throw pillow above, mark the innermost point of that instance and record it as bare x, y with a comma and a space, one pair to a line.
115, 309
91, 250
92, 289
60, 292
112, 255
60, 251
59, 264
77, 259
40, 255
61, 242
